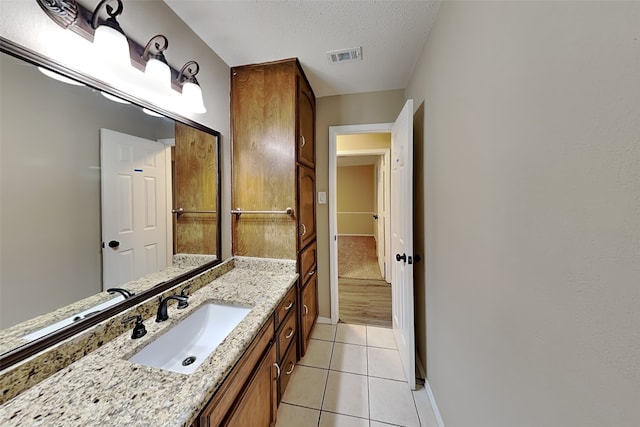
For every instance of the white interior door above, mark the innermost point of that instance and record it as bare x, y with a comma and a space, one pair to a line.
402, 239
134, 207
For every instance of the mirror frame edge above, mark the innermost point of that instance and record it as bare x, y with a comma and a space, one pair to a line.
18, 354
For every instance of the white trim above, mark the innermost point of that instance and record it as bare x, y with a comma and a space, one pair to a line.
324, 320
334, 131
355, 235
434, 405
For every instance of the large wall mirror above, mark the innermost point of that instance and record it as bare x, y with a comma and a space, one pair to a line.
80, 175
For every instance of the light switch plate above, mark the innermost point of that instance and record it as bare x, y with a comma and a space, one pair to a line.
322, 197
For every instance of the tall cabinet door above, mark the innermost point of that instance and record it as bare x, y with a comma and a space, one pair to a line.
306, 206
308, 311
306, 124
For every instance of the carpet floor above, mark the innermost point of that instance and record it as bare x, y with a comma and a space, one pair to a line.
357, 258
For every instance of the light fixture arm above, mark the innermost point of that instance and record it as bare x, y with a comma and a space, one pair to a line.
188, 72
111, 21
155, 48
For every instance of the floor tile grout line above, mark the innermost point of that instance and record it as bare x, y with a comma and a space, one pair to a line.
326, 383
368, 383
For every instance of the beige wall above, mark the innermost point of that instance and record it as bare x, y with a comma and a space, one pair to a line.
365, 141
528, 117
26, 24
356, 199
362, 108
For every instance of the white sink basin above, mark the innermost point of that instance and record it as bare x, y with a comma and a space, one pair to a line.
186, 345
71, 319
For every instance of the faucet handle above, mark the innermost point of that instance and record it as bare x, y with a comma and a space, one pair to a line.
139, 329
184, 304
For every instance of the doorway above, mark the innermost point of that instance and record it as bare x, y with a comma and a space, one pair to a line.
359, 180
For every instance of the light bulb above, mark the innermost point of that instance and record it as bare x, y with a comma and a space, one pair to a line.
159, 73
112, 45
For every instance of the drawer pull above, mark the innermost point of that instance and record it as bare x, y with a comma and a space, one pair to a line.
306, 309
290, 334
304, 229
277, 370
303, 141
312, 272
290, 369
288, 307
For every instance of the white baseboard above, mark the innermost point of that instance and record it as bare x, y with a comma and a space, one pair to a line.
355, 235
434, 405
324, 320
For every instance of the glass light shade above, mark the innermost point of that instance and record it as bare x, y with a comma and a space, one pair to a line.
59, 77
159, 73
112, 45
192, 97
114, 98
151, 113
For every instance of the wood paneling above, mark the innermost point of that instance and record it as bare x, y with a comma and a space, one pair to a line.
195, 172
263, 127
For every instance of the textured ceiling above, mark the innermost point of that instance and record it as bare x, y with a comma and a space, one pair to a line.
391, 33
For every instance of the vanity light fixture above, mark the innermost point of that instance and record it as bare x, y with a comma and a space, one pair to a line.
161, 84
191, 91
108, 36
157, 69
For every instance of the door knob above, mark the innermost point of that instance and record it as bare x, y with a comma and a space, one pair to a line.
114, 244
402, 257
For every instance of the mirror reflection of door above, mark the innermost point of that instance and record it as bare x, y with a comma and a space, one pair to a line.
134, 207
195, 191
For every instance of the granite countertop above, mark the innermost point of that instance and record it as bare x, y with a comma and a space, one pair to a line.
105, 388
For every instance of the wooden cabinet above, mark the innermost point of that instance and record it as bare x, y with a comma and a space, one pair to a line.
265, 134
247, 397
257, 407
273, 168
306, 206
308, 311
306, 124
286, 338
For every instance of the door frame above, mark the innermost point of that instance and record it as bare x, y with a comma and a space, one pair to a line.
334, 132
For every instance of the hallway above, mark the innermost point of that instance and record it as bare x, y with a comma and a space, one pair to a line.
352, 376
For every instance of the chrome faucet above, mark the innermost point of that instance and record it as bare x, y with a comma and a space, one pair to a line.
125, 293
162, 314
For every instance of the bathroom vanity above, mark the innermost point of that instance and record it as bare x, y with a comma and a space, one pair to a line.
239, 383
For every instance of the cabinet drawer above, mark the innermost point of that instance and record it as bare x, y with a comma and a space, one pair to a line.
286, 306
287, 335
286, 370
308, 263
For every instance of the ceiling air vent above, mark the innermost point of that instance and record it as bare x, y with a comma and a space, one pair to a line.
345, 55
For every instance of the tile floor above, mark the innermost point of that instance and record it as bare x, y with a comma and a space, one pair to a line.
352, 376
